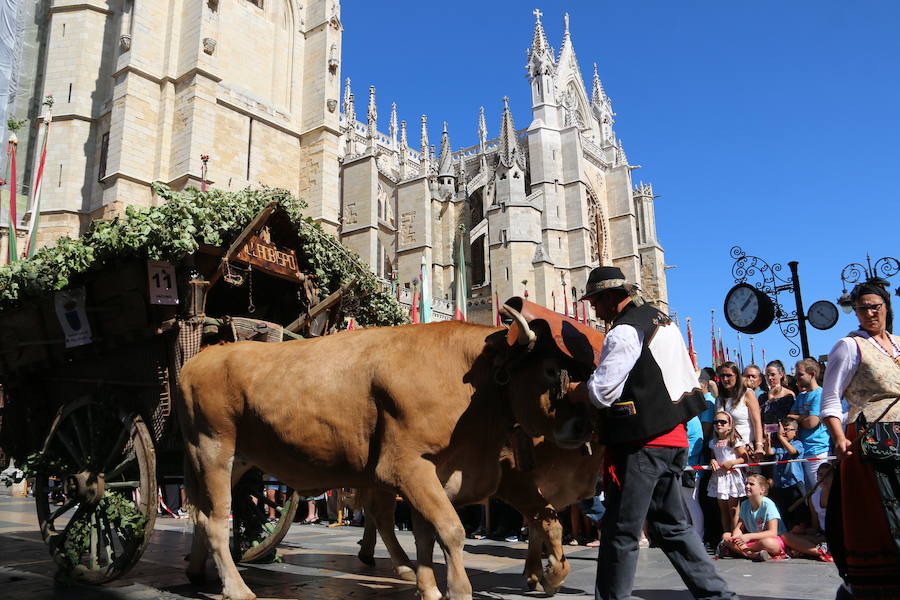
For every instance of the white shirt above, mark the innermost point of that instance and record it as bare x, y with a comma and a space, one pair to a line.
621, 350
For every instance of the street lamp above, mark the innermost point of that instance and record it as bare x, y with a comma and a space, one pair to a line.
886, 266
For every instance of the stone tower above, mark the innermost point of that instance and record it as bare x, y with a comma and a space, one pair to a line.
144, 88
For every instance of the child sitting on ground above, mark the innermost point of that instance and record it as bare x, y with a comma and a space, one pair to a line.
759, 529
812, 542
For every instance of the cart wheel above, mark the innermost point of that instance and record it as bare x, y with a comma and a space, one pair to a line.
254, 537
95, 491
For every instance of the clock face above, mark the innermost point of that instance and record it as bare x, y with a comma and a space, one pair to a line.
822, 314
742, 306
747, 309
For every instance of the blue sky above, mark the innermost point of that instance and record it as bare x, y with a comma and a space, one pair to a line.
768, 124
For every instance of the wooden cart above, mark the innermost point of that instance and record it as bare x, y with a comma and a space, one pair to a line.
89, 374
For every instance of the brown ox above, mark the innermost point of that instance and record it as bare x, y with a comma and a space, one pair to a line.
560, 478
422, 410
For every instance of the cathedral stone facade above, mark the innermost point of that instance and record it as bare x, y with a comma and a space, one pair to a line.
151, 86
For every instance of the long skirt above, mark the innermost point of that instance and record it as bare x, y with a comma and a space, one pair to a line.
871, 559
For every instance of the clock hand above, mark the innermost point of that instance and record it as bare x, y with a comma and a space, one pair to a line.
747, 303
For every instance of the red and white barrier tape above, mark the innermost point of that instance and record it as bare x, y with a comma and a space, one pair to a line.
762, 464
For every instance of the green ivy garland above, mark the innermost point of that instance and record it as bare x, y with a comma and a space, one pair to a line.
177, 227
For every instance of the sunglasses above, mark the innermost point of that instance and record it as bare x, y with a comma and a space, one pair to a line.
869, 307
720, 422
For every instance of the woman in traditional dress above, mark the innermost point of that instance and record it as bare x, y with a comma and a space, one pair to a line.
861, 367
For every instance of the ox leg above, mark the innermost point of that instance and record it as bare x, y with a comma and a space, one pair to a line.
533, 564
423, 532
551, 531
380, 514
426, 495
213, 458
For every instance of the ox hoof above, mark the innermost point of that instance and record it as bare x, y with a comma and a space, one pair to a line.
367, 559
531, 583
244, 594
551, 582
406, 573
196, 578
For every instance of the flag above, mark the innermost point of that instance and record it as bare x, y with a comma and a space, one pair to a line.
31, 239
715, 352
426, 292
553, 298
13, 217
497, 304
414, 309
691, 352
461, 284
575, 310
722, 358
584, 312
728, 354
565, 299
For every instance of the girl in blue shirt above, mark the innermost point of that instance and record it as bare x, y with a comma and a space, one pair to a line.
759, 529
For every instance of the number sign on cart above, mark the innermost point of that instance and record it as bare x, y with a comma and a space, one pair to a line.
161, 281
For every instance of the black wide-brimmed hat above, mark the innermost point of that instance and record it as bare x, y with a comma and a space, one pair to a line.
604, 278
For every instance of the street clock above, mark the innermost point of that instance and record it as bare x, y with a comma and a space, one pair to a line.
822, 315
748, 310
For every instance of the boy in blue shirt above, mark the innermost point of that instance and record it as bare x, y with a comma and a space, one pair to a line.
812, 433
788, 479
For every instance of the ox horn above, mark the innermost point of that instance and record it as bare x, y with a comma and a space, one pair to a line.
526, 336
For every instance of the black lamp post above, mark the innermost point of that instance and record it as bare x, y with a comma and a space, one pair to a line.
769, 281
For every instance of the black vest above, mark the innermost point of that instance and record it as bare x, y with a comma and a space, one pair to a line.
646, 409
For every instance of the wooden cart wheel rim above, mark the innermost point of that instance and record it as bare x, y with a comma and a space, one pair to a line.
145, 456
261, 551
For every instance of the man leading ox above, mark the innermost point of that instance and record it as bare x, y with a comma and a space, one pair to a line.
647, 386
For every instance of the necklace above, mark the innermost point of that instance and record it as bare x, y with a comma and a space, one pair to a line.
893, 353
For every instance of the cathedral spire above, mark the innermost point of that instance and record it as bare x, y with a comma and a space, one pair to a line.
597, 93
349, 110
482, 131
541, 60
404, 151
372, 113
509, 147
445, 166
393, 124
566, 26
423, 144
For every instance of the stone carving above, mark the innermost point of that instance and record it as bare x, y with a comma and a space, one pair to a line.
407, 227
350, 215
333, 62
332, 104
209, 45
125, 42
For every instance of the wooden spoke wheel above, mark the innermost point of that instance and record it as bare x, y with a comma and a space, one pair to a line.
95, 490
261, 517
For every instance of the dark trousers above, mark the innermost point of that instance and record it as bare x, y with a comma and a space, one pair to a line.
648, 488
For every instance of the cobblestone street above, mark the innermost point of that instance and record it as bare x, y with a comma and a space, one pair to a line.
320, 563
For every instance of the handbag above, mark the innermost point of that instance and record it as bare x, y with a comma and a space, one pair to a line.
879, 441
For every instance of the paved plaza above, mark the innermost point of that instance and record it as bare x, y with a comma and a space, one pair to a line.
321, 564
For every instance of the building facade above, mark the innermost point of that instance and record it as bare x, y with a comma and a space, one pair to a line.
144, 88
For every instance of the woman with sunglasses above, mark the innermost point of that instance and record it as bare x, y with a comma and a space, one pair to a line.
741, 403
861, 366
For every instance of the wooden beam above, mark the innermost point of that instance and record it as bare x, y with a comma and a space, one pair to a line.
238, 242
322, 306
